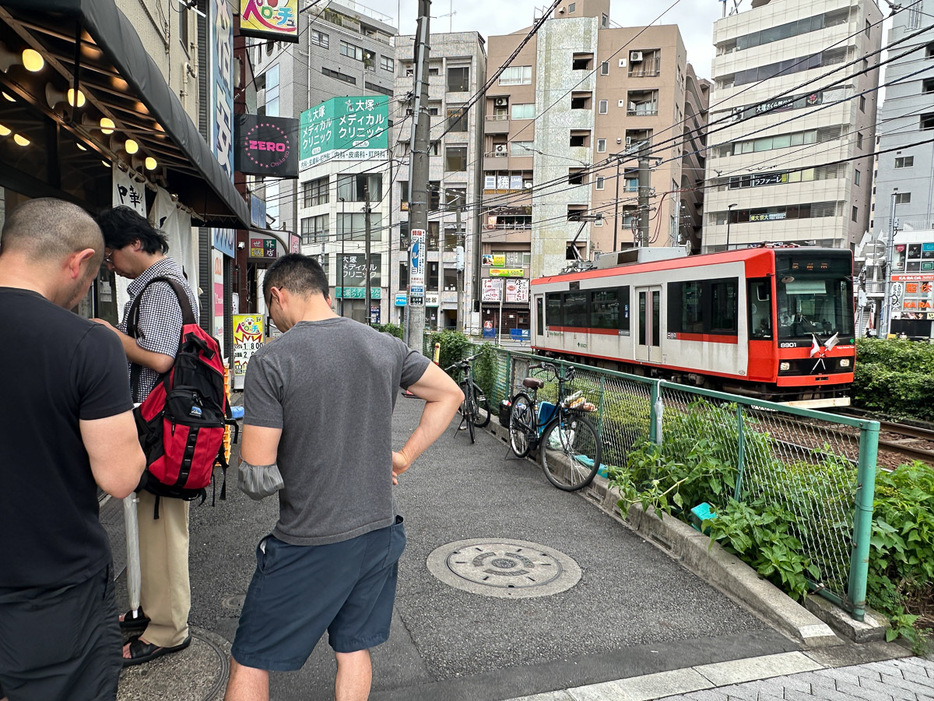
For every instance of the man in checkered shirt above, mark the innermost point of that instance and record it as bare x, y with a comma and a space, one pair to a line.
135, 250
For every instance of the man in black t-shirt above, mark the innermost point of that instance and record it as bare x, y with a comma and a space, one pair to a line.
66, 427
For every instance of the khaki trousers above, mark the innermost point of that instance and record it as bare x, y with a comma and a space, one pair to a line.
165, 595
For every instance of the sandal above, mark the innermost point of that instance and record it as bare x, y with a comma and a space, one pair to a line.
129, 622
141, 652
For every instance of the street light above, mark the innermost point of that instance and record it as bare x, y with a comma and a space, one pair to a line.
729, 209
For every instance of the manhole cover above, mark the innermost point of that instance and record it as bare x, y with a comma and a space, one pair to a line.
503, 568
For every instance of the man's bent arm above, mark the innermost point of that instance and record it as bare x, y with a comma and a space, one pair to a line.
117, 460
442, 397
160, 362
260, 444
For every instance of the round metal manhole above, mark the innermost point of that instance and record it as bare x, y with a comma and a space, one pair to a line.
503, 568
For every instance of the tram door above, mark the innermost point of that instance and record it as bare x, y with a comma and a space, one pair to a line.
648, 338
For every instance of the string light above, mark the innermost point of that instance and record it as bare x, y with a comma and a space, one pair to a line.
32, 60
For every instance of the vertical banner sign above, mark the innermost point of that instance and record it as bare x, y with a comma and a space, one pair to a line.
247, 339
217, 266
221, 60
417, 268
128, 193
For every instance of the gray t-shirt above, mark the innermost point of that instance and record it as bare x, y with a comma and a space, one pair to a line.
331, 387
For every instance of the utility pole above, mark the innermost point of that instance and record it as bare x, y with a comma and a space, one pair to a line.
645, 191
342, 231
459, 266
418, 180
366, 254
885, 320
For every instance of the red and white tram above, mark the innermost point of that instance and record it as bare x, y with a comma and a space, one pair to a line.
775, 323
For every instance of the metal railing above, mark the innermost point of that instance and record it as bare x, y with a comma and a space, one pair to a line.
818, 467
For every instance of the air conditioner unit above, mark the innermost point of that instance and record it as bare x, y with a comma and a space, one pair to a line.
635, 56
501, 102
500, 149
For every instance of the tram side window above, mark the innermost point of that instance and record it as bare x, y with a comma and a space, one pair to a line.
576, 313
685, 307
724, 307
539, 315
554, 312
759, 296
604, 309
624, 307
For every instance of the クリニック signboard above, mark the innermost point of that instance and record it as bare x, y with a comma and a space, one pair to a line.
267, 146
247, 339
276, 20
345, 129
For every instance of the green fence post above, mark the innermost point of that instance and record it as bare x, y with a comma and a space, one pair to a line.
862, 522
740, 452
600, 405
658, 408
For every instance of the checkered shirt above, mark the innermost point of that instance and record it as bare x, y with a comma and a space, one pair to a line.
160, 318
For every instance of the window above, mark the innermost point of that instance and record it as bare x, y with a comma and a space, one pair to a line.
605, 68
642, 103
183, 37
647, 65
582, 62
524, 111
455, 158
927, 86
315, 229
856, 175
352, 226
387, 64
929, 50
554, 310
601, 145
904, 161
457, 120
516, 75
403, 276
862, 103
315, 192
703, 306
859, 139
902, 198
855, 214
579, 137
581, 101
576, 177
455, 197
759, 297
927, 121
604, 21
572, 7
272, 91
352, 188
373, 87
576, 312
459, 79
351, 51
521, 149
609, 309
600, 181
604, 106
338, 75
319, 39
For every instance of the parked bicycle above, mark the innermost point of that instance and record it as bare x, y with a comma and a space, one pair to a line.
474, 398
569, 445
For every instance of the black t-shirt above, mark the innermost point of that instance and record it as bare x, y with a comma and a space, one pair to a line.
57, 368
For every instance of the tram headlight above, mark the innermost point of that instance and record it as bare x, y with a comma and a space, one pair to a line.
844, 362
784, 366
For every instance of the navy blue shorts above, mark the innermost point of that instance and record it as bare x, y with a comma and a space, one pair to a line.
300, 591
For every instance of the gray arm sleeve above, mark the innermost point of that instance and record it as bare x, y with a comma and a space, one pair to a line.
258, 481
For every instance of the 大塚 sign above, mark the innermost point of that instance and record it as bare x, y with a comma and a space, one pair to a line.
345, 128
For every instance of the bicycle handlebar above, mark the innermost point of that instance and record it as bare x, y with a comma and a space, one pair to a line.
462, 363
551, 367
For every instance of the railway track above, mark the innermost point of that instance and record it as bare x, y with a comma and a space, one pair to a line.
911, 441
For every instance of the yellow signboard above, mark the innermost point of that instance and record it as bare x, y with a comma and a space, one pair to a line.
269, 19
507, 272
247, 339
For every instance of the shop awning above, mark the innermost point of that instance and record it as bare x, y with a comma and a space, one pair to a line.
93, 39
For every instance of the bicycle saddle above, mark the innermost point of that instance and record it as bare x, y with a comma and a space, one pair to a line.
533, 383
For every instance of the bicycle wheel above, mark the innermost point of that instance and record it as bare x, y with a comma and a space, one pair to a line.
480, 402
468, 410
571, 451
521, 424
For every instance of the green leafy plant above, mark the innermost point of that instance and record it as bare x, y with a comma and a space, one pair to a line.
392, 330
454, 346
894, 377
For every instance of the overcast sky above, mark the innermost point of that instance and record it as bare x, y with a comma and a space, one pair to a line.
695, 18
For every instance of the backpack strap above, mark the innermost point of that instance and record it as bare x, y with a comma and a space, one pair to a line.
132, 324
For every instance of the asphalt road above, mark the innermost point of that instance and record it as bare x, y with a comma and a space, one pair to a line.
634, 611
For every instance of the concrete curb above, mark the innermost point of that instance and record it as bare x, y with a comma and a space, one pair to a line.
713, 564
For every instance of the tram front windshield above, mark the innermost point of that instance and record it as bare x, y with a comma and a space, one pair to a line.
816, 304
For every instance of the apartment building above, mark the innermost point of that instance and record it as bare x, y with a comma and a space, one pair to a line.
906, 117
564, 127
792, 123
344, 50
456, 72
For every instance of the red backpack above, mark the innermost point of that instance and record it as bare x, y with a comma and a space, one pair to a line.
181, 423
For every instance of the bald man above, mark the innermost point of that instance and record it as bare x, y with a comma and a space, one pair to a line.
66, 427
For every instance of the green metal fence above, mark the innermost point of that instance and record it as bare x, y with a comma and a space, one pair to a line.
818, 467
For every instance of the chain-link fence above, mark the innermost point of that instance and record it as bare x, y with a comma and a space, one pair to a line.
815, 469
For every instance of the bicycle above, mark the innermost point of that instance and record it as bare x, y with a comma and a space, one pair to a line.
569, 445
474, 398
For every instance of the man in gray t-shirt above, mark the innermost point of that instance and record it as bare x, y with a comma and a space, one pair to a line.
318, 411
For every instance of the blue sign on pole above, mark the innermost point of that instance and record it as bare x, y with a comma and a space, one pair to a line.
401, 299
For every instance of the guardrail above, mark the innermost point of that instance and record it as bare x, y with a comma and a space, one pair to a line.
817, 466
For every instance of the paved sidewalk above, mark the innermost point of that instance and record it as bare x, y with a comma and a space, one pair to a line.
768, 679
636, 625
